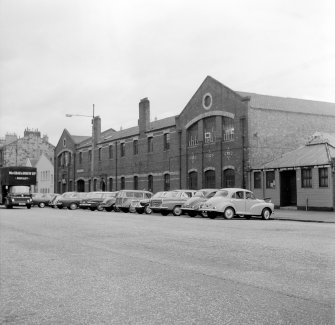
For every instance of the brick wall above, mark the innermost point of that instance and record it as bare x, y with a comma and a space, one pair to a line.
272, 133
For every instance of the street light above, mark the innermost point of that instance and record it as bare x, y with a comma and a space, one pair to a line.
93, 143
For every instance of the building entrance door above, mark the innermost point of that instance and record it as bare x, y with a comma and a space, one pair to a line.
81, 186
288, 188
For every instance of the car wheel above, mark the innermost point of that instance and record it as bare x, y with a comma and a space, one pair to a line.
147, 210
59, 206
211, 215
177, 211
139, 211
108, 209
266, 213
229, 213
41, 204
192, 214
92, 209
164, 213
100, 208
73, 206
247, 217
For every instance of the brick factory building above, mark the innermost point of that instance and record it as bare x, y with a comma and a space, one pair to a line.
215, 141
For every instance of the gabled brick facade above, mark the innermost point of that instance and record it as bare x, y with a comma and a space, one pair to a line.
214, 142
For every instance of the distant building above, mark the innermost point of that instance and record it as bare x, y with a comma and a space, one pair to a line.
45, 174
15, 151
217, 140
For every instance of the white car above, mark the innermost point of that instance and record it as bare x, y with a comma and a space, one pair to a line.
230, 202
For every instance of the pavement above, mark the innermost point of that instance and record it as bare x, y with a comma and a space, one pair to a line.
304, 216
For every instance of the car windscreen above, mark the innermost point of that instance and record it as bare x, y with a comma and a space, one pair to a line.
19, 190
95, 195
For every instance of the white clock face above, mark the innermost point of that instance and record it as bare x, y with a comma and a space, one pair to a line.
207, 101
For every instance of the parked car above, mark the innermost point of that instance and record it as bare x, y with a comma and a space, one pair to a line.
109, 202
127, 198
93, 200
70, 200
53, 202
143, 206
192, 205
230, 202
42, 199
171, 202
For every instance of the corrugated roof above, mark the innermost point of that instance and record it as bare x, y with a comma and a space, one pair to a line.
310, 155
289, 104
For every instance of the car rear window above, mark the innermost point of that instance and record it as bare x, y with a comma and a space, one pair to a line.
222, 193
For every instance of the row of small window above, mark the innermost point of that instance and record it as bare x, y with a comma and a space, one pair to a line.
209, 131
45, 175
228, 179
306, 178
150, 148
122, 185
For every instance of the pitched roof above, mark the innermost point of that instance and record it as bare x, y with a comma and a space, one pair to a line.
79, 138
289, 104
317, 151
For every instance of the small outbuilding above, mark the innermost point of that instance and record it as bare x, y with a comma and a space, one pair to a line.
303, 178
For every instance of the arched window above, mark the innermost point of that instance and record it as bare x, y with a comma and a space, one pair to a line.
110, 184
150, 183
210, 179
227, 129
167, 182
135, 182
192, 135
95, 185
123, 183
209, 129
228, 178
193, 180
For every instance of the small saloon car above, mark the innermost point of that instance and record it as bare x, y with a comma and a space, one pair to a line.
193, 204
94, 200
144, 205
230, 202
171, 202
70, 200
42, 199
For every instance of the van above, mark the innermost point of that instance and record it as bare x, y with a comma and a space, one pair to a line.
127, 198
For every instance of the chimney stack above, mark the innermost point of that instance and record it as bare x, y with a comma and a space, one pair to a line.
144, 116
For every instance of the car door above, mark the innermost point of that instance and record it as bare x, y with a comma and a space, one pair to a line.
238, 199
250, 201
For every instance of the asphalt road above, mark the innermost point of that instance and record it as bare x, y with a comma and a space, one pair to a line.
83, 267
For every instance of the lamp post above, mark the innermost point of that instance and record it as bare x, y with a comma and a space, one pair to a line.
93, 144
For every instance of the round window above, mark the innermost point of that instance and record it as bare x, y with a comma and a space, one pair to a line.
207, 101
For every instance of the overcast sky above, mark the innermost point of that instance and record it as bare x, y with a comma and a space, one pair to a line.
63, 56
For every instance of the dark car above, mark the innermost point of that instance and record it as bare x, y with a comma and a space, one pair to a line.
70, 200
95, 200
42, 199
171, 202
192, 205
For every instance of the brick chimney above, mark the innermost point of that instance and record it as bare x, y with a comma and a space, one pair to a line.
97, 128
144, 115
